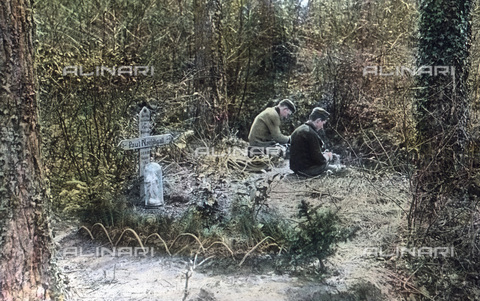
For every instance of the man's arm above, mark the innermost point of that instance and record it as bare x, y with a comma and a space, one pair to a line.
273, 124
316, 150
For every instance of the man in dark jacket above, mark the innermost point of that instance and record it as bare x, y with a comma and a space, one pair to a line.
306, 151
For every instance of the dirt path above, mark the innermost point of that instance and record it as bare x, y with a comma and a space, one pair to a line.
370, 204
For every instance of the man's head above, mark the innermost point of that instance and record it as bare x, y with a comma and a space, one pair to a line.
286, 108
319, 117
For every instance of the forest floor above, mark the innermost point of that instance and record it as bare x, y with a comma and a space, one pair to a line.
372, 203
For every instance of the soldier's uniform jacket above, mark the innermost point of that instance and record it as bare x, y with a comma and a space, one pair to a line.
306, 148
265, 130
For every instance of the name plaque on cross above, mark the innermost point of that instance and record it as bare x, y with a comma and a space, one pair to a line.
150, 141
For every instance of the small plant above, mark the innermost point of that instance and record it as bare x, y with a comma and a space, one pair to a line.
280, 229
191, 266
93, 200
242, 224
262, 191
317, 235
191, 222
210, 213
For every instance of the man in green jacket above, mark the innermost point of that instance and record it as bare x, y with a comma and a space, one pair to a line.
306, 152
265, 131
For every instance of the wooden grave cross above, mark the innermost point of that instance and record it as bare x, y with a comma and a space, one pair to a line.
144, 143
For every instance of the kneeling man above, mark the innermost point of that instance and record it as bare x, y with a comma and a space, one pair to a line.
306, 150
265, 131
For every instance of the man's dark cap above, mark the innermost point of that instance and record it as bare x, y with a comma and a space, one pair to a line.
288, 103
319, 113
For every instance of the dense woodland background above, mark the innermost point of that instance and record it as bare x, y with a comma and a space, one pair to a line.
219, 63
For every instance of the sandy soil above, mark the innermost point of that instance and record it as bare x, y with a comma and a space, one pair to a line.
373, 205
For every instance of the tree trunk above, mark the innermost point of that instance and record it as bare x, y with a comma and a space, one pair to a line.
441, 105
210, 82
25, 244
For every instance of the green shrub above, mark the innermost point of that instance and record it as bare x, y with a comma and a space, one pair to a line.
317, 235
